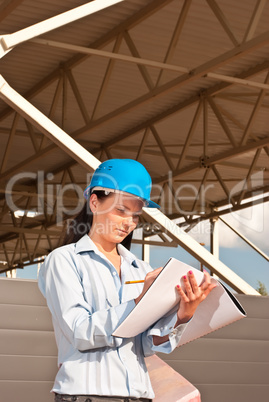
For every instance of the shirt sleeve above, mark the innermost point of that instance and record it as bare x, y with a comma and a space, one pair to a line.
163, 327
86, 329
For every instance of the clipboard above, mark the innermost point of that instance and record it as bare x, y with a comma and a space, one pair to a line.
220, 308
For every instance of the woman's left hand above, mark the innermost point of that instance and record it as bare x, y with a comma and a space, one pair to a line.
189, 300
192, 296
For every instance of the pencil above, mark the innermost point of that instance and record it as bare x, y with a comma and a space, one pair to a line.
130, 282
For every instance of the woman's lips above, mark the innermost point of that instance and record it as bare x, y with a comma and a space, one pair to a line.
122, 231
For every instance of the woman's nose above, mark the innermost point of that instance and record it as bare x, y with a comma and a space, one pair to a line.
129, 220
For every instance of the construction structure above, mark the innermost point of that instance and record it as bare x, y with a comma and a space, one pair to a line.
181, 86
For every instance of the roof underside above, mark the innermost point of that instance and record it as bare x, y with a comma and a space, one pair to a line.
202, 136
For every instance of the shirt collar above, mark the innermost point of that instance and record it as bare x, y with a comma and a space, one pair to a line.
127, 255
86, 244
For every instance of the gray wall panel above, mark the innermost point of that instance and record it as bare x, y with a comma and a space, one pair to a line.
230, 364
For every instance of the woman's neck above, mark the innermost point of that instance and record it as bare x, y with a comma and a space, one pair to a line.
104, 246
110, 251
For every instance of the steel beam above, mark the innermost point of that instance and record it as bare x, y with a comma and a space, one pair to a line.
9, 41
145, 250
223, 185
254, 19
80, 102
223, 20
216, 159
222, 122
238, 81
111, 55
259, 251
175, 37
214, 237
199, 252
106, 78
9, 142
249, 175
254, 113
162, 147
142, 144
190, 134
225, 211
50, 129
143, 70
30, 230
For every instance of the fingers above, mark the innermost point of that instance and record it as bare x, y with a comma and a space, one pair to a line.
207, 285
191, 288
150, 277
191, 295
182, 294
153, 274
207, 280
190, 284
193, 282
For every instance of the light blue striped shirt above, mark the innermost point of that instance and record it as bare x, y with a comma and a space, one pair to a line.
88, 300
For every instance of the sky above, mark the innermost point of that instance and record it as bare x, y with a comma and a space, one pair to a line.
252, 222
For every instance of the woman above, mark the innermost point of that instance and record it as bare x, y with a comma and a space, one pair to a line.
84, 284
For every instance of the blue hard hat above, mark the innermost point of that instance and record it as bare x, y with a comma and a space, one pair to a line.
125, 175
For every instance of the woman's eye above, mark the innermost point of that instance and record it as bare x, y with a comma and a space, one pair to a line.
121, 210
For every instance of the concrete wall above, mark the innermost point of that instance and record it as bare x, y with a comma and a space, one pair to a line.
231, 364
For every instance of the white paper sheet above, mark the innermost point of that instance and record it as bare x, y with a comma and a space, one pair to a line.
220, 308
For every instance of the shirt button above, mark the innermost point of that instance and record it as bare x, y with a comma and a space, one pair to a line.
114, 273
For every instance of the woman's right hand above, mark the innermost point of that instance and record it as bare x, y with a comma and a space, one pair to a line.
149, 279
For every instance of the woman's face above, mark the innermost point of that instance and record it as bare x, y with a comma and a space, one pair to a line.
115, 216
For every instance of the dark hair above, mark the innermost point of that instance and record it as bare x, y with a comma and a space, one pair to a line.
81, 224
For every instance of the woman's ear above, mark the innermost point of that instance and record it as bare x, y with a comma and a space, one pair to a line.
93, 201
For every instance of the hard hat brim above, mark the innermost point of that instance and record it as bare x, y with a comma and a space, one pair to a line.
89, 190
